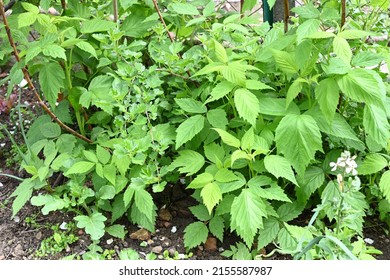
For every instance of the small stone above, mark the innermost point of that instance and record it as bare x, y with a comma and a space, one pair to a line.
211, 244
157, 249
64, 226
18, 251
221, 249
150, 242
67, 249
200, 248
80, 232
167, 224
38, 235
166, 243
16, 219
174, 229
165, 215
109, 241
171, 252
141, 234
2, 257
369, 241
181, 256
160, 257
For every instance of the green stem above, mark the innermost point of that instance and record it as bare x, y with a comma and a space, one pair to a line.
12, 176
339, 214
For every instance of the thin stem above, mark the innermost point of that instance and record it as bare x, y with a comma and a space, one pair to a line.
339, 214
286, 15
11, 176
30, 83
163, 21
343, 16
115, 9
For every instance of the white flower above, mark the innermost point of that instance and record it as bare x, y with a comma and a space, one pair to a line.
333, 165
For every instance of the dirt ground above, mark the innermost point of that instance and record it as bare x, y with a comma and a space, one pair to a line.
21, 237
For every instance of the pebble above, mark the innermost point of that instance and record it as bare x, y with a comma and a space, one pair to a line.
369, 241
18, 250
38, 235
165, 215
211, 244
2, 257
141, 234
173, 229
150, 242
171, 251
109, 241
157, 249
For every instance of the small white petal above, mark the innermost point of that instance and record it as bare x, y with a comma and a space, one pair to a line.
334, 168
354, 172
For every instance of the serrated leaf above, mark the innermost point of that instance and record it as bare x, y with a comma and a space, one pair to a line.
144, 202
102, 154
188, 129
285, 62
128, 196
188, 162
211, 195
367, 58
268, 233
289, 211
109, 172
96, 25
201, 180
224, 176
221, 90
185, 9
217, 118
279, 167
256, 85
342, 49
307, 11
312, 180
54, 51
247, 212
200, 212
94, 224
80, 168
353, 34
118, 207
294, 90
384, 185
87, 47
50, 203
128, 254
117, 231
327, 95
228, 139
239, 154
30, 8
91, 156
214, 152
195, 234
298, 138
373, 163
23, 194
191, 105
106, 192
217, 226
234, 72
307, 28
376, 124
220, 52
50, 130
26, 19
273, 193
51, 79
248, 140
247, 105
363, 85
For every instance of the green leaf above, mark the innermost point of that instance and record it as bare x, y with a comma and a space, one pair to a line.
30, 8
276, 106
91, 156
188, 162
195, 234
94, 224
51, 80
106, 192
214, 152
273, 193
80, 168
209, 68
307, 11
128, 195
363, 85
54, 51
256, 85
211, 195
225, 176
144, 202
188, 129
247, 214
201, 180
96, 25
248, 140
118, 207
23, 194
342, 49
117, 231
102, 154
220, 52
87, 47
190, 105
289, 211
217, 226
247, 105
384, 185
353, 34
234, 72
185, 9
221, 90
298, 138
50, 203
294, 90
268, 233
279, 167
376, 124
109, 172
50, 130
373, 163
128, 254
307, 28
327, 95
285, 62
228, 139
367, 58
312, 180
217, 118
239, 154
26, 19
200, 212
